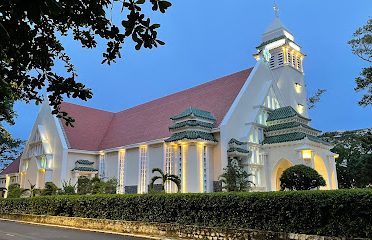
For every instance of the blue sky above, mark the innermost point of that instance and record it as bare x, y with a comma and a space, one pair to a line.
209, 39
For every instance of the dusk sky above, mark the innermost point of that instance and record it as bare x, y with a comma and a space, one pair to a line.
209, 39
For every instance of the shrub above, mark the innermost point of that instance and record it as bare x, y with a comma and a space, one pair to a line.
333, 213
235, 178
301, 177
14, 191
50, 189
68, 188
84, 185
96, 186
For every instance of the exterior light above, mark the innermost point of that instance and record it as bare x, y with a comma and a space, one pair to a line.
298, 88
42, 170
300, 108
306, 155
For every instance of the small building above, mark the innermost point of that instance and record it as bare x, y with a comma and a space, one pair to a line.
8, 176
257, 116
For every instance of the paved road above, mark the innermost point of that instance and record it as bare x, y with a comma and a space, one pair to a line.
23, 231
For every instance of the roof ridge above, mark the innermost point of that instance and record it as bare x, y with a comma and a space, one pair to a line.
83, 106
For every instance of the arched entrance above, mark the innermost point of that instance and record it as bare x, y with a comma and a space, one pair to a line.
321, 168
278, 171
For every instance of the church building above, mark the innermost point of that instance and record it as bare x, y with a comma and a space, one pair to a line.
257, 116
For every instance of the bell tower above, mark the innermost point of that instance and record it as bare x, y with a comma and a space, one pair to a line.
284, 58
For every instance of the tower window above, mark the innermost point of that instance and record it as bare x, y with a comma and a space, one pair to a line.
300, 108
272, 61
280, 59
298, 88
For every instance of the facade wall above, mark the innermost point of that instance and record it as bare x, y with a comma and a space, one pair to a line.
243, 112
132, 167
56, 144
279, 155
111, 165
192, 167
72, 158
156, 159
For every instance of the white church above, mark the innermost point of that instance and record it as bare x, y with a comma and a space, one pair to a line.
257, 116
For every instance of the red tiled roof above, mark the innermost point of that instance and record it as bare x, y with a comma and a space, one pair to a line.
89, 128
97, 130
12, 168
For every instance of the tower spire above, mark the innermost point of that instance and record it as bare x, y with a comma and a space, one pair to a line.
276, 9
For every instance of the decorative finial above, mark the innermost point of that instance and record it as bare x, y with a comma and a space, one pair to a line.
276, 9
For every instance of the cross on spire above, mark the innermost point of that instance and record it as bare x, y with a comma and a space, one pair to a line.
276, 9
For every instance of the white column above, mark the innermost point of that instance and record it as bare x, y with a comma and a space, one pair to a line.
7, 183
121, 172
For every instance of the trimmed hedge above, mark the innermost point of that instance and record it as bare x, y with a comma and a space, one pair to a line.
332, 213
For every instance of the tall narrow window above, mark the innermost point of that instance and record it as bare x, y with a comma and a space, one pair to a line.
102, 170
121, 171
143, 170
205, 169
168, 167
180, 162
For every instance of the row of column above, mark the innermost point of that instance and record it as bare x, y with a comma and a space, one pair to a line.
190, 162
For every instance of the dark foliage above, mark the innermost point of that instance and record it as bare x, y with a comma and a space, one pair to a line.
332, 213
361, 46
30, 46
301, 177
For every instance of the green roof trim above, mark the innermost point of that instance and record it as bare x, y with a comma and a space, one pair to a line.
237, 142
290, 137
318, 139
288, 125
191, 135
282, 113
84, 169
271, 41
196, 112
191, 123
236, 149
84, 162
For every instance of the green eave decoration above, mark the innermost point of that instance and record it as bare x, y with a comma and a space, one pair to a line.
194, 112
191, 135
284, 112
271, 41
191, 123
288, 125
85, 169
236, 149
237, 142
290, 137
84, 162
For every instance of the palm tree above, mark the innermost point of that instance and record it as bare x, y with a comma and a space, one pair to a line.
235, 179
165, 178
32, 190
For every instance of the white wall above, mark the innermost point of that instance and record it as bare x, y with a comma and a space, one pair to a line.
72, 158
192, 172
156, 159
131, 167
56, 142
278, 152
111, 165
244, 109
